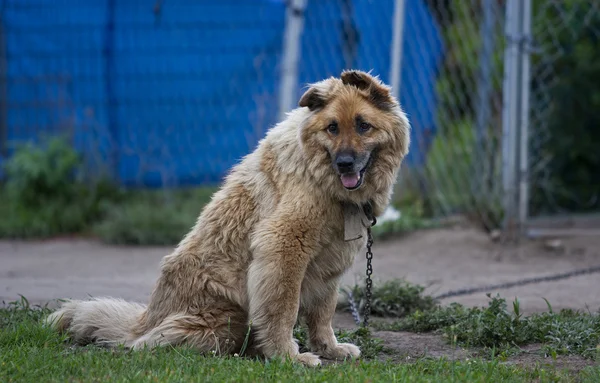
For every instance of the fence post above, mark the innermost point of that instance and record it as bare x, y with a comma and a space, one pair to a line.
396, 52
510, 103
515, 124
294, 25
524, 116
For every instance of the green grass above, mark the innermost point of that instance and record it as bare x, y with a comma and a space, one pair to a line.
30, 352
153, 217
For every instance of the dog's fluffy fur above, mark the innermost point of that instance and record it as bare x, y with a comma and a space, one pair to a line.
270, 245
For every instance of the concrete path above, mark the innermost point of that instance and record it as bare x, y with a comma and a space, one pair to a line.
443, 259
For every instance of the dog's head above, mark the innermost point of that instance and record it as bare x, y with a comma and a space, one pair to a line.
357, 128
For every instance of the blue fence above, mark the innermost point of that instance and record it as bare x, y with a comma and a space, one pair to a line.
175, 92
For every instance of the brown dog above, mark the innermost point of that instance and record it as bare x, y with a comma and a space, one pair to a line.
271, 245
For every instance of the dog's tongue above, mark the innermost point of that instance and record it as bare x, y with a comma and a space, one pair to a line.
350, 180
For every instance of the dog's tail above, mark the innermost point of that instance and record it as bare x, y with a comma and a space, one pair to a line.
107, 321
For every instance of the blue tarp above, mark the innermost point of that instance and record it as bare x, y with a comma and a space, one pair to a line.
176, 93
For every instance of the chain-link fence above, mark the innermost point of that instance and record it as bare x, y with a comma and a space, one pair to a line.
170, 93
565, 103
460, 168
160, 93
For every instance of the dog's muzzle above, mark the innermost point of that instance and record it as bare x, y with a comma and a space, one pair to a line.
351, 169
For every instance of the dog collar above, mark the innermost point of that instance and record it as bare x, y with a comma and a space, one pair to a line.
357, 219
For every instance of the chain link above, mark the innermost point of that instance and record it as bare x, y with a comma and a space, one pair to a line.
369, 282
522, 282
368, 210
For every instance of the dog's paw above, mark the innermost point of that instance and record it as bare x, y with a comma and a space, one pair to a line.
308, 359
342, 351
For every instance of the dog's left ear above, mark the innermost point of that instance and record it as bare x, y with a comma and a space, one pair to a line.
379, 94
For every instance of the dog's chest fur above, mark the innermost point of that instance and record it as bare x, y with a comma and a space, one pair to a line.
335, 258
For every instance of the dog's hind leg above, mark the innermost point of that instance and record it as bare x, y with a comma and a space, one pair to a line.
192, 331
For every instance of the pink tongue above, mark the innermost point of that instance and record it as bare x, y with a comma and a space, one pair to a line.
350, 180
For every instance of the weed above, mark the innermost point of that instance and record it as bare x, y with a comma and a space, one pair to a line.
495, 327
395, 298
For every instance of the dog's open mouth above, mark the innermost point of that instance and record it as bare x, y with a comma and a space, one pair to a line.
352, 181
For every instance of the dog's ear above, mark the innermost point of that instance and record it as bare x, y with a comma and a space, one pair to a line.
313, 99
357, 78
379, 94
319, 94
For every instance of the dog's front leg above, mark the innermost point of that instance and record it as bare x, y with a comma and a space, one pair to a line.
319, 318
282, 249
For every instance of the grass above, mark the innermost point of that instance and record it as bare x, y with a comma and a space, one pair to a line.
153, 217
30, 352
496, 328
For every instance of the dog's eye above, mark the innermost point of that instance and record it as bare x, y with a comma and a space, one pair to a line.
332, 128
364, 127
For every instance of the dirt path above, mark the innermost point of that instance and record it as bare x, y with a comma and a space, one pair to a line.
445, 259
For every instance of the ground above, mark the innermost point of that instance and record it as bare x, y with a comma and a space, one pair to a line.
442, 259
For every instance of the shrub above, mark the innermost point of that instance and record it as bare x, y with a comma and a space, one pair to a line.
45, 193
153, 217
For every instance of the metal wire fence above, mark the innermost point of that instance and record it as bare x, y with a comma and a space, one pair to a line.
173, 93
461, 167
563, 156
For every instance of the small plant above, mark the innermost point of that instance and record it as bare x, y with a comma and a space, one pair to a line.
394, 298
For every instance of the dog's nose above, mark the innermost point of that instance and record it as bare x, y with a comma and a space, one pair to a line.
345, 162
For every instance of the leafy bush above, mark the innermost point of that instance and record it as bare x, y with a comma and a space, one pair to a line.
153, 217
45, 193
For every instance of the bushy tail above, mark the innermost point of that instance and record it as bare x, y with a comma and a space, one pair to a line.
107, 321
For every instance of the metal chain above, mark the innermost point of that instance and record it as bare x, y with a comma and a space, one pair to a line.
522, 282
369, 282
368, 210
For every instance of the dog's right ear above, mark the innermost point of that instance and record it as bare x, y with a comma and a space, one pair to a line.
313, 99
318, 94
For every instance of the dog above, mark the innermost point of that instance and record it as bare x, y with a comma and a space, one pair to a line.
272, 244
